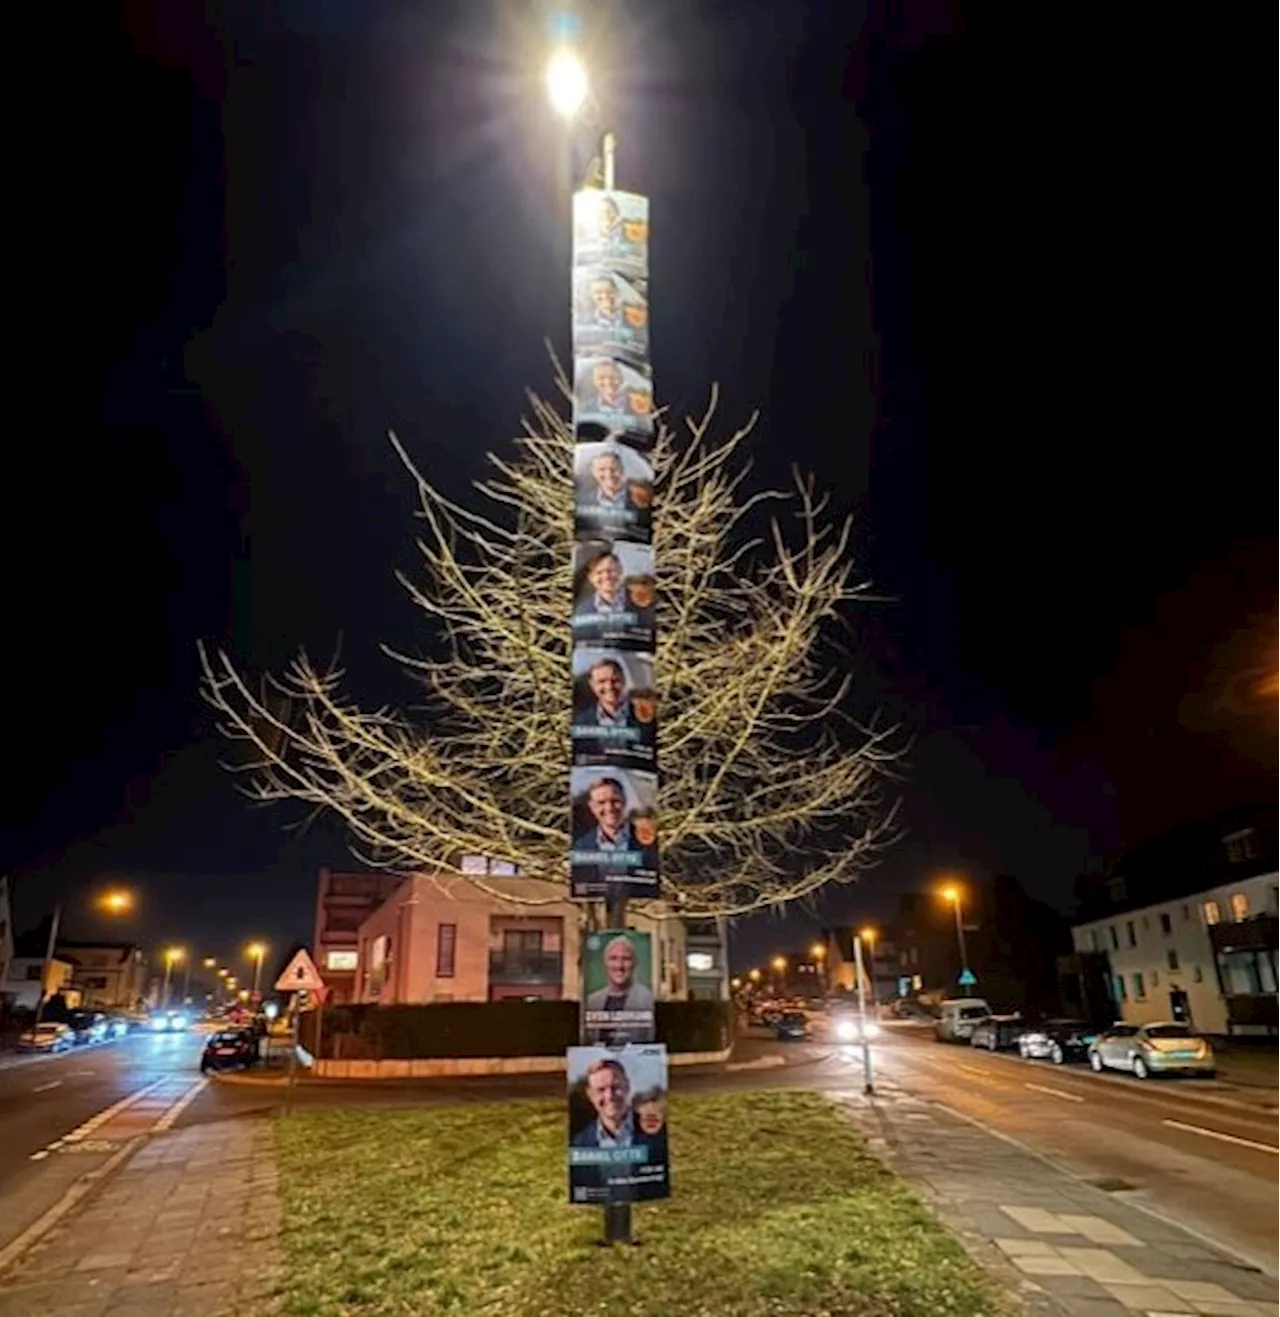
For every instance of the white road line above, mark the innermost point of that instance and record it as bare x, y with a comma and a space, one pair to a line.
1054, 1092
44, 1088
1218, 1134
102, 1117
172, 1113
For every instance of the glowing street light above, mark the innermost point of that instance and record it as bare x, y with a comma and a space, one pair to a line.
208, 962
951, 892
116, 901
255, 951
868, 935
567, 83
754, 975
172, 956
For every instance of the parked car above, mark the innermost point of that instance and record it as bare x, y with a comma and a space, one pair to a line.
997, 1032
1153, 1049
46, 1038
1057, 1040
118, 1025
228, 1049
791, 1026
88, 1026
957, 1019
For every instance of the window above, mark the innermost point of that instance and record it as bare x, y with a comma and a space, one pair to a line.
446, 943
702, 962
1120, 992
1093, 939
1172, 956
1197, 974
517, 942
1139, 987
1166, 927
1131, 932
1115, 937
1212, 912
1239, 905
342, 960
1241, 846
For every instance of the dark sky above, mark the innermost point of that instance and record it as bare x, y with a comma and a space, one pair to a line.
997, 284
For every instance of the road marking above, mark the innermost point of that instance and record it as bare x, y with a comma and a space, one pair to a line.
44, 1088
1054, 1092
172, 1113
82, 1131
971, 1069
1218, 1134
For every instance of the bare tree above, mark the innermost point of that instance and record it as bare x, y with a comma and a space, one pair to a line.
769, 790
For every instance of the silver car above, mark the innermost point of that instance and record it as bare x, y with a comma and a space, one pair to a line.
1152, 1049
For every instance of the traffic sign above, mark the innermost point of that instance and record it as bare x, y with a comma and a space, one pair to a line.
300, 975
967, 978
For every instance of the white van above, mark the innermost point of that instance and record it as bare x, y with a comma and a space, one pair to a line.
957, 1019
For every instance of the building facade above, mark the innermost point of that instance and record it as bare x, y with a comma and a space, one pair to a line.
22, 987
344, 901
1185, 927
108, 975
440, 938
707, 959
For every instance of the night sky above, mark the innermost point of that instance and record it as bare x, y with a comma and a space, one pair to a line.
1005, 288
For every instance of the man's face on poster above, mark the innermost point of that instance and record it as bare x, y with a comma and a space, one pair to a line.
607, 686
606, 471
606, 576
604, 297
619, 963
607, 379
608, 1092
607, 806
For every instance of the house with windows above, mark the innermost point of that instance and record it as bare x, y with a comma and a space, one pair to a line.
441, 937
1185, 928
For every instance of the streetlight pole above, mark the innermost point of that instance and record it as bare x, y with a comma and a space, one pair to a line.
964, 954
868, 1083
868, 935
46, 970
257, 951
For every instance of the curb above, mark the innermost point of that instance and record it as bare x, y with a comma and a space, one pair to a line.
81, 1189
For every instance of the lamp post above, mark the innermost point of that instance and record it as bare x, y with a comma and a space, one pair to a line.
868, 936
868, 1084
172, 957
779, 964
953, 894
46, 970
256, 951
819, 953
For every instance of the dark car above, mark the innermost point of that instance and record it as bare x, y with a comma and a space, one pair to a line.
228, 1049
996, 1032
1058, 1040
791, 1026
88, 1026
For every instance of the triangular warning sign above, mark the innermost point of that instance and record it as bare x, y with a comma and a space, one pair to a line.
300, 975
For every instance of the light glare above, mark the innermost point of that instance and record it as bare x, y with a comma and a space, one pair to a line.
566, 83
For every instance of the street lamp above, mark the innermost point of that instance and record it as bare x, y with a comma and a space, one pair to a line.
567, 83
172, 956
255, 952
115, 902
754, 975
953, 894
819, 953
869, 935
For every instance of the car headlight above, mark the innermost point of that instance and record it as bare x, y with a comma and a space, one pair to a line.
846, 1030
159, 1022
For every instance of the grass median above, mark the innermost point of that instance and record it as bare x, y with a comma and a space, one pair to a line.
776, 1209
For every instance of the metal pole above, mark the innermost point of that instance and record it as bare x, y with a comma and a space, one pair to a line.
186, 982
46, 971
293, 1054
164, 991
964, 955
868, 1085
257, 977
617, 1216
609, 146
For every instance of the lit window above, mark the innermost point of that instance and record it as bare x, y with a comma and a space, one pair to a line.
1172, 957
1239, 905
1212, 912
702, 961
1139, 987
342, 960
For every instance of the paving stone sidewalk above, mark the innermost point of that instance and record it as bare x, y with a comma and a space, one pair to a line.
1064, 1247
188, 1227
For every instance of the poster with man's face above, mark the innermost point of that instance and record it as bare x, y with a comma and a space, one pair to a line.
614, 595
611, 229
617, 986
611, 397
615, 833
615, 708
617, 1123
613, 493
610, 316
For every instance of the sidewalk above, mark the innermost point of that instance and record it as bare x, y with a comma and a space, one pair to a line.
1068, 1248
187, 1228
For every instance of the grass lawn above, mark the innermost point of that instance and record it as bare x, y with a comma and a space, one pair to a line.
776, 1209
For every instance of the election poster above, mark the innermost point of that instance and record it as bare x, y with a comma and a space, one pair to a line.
611, 229
610, 316
613, 493
617, 987
615, 595
614, 824
611, 398
615, 708
617, 1101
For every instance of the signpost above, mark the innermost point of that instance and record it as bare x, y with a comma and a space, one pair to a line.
300, 978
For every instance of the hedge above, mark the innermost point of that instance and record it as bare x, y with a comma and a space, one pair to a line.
499, 1028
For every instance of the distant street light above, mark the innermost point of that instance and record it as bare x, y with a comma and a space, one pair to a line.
115, 902
819, 953
172, 956
953, 894
754, 975
256, 951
